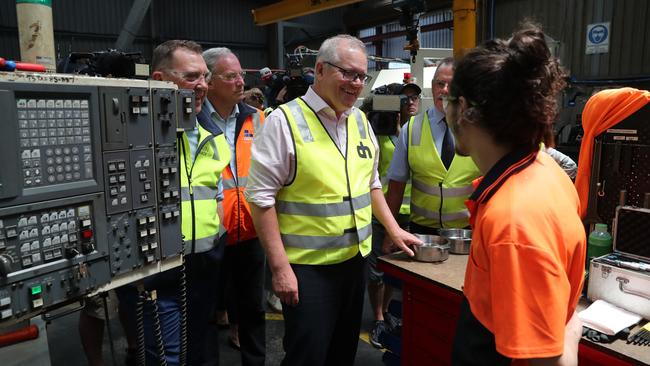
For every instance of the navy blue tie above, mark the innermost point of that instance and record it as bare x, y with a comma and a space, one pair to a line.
447, 153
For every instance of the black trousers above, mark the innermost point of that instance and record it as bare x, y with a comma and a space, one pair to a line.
474, 345
244, 294
323, 329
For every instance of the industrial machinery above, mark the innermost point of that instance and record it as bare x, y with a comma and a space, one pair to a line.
89, 186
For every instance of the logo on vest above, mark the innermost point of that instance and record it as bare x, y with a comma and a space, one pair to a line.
364, 151
248, 136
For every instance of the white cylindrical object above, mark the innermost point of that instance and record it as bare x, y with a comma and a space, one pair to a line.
36, 32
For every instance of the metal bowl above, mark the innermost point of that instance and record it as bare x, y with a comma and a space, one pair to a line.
434, 249
459, 240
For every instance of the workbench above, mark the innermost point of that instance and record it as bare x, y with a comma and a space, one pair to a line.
431, 297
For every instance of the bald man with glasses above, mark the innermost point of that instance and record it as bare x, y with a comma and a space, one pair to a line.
313, 187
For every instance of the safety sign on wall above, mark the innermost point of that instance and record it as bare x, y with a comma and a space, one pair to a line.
598, 35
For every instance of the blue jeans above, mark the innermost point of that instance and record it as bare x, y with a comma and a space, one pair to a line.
201, 281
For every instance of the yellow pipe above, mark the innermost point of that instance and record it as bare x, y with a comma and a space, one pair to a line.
288, 9
464, 26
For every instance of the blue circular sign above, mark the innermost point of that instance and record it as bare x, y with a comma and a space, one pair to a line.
598, 34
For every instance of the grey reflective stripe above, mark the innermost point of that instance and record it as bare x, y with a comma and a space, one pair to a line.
256, 121
446, 217
406, 200
232, 183
326, 242
444, 192
202, 245
384, 180
323, 209
357, 115
416, 128
301, 122
200, 193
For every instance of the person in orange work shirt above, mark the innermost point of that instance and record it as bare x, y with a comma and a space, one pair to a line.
525, 270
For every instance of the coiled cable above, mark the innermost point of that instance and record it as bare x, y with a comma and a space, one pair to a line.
183, 306
157, 331
139, 317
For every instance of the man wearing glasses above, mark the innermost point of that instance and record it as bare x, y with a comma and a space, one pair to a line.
203, 154
425, 154
313, 187
243, 271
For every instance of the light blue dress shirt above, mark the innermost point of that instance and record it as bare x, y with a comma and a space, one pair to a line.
399, 169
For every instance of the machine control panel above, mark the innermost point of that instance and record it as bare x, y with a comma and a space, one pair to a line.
92, 204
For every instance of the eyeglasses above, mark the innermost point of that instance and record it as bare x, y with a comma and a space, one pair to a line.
192, 76
412, 98
440, 84
351, 75
445, 101
232, 76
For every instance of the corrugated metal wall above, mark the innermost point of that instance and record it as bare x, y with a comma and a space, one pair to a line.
92, 25
566, 21
394, 47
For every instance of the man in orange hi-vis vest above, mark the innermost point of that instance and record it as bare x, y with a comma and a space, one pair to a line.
244, 257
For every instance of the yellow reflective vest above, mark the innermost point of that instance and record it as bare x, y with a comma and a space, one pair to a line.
325, 212
386, 150
438, 195
211, 157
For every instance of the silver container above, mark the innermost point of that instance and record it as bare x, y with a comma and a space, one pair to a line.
434, 249
459, 240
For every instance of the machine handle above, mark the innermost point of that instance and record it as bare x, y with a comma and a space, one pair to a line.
48, 317
622, 281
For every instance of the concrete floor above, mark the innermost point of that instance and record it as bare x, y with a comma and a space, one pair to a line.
65, 346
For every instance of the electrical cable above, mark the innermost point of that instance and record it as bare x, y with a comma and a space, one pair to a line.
183, 306
139, 318
183, 279
108, 327
157, 331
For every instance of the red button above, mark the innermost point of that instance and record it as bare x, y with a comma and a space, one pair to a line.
86, 234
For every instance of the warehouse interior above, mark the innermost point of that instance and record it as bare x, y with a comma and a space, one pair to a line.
102, 51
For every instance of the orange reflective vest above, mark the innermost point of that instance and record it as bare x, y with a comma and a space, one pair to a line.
236, 213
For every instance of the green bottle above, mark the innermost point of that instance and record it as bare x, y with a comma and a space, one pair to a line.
599, 243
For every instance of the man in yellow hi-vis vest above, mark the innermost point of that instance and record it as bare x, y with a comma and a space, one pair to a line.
313, 188
424, 153
203, 153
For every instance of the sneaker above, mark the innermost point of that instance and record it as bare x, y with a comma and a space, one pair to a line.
274, 302
393, 323
379, 328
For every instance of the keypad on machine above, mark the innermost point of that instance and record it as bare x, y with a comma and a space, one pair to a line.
55, 141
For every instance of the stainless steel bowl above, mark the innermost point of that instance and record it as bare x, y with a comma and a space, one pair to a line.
434, 249
459, 240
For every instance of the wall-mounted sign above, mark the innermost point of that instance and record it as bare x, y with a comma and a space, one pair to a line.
598, 35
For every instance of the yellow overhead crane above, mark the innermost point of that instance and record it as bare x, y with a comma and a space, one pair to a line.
464, 16
288, 9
